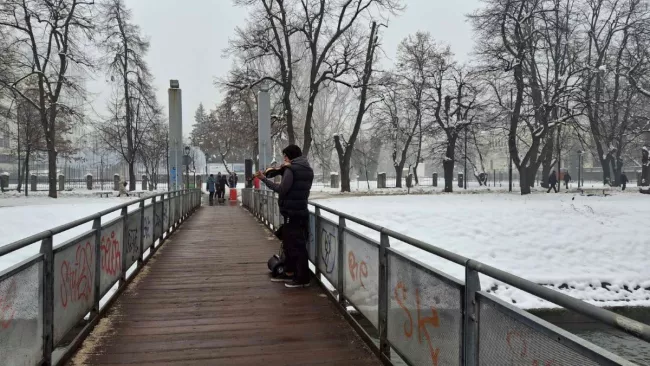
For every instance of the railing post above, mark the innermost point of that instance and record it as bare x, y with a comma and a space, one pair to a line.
48, 299
383, 290
97, 226
141, 231
339, 259
317, 239
470, 316
125, 232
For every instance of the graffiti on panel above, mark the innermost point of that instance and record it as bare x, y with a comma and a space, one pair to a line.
132, 244
358, 270
165, 210
77, 278
146, 227
328, 249
423, 319
111, 254
7, 310
518, 346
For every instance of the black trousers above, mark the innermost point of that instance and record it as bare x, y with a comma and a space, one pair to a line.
211, 196
295, 235
553, 187
220, 193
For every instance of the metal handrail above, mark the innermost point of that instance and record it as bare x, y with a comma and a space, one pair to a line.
190, 199
471, 288
19, 244
621, 322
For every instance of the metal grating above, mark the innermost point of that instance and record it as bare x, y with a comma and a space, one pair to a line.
361, 275
21, 323
424, 313
504, 340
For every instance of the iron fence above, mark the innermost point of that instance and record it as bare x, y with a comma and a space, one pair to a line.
45, 298
428, 317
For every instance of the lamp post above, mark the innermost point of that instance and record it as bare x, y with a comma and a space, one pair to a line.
187, 166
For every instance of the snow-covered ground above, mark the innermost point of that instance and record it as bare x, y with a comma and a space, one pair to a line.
22, 216
592, 248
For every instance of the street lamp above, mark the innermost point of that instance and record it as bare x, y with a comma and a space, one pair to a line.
187, 166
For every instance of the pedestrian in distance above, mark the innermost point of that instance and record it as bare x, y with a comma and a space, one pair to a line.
552, 182
123, 191
222, 182
293, 196
567, 179
211, 185
624, 181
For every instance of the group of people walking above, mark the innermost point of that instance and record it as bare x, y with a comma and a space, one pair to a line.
552, 181
218, 185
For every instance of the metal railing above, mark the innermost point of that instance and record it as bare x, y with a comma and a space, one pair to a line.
45, 298
429, 317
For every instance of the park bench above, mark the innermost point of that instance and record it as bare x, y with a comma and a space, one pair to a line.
104, 193
595, 191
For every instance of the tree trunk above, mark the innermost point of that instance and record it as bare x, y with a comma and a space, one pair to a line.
398, 175
606, 166
345, 176
645, 167
132, 182
27, 172
523, 180
51, 166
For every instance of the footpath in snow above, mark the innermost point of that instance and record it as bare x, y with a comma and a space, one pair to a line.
592, 248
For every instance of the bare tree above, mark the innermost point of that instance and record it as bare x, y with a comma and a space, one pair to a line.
133, 113
47, 39
345, 148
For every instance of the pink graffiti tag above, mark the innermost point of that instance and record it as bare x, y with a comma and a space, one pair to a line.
111, 255
518, 346
7, 310
77, 279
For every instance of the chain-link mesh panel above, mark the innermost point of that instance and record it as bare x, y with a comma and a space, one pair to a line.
74, 284
361, 275
424, 314
21, 324
311, 248
503, 340
147, 228
111, 251
329, 241
158, 221
276, 213
132, 241
177, 209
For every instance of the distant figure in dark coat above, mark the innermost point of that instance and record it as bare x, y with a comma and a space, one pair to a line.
624, 180
222, 182
567, 179
552, 182
211, 185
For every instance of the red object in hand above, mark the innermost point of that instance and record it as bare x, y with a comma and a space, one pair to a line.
256, 183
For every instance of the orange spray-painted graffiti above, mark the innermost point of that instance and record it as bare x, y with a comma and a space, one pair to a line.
518, 346
357, 270
401, 293
77, 277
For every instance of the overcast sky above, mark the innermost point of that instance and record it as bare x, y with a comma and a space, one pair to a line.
188, 37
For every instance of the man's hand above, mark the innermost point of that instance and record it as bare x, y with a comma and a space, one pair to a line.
259, 174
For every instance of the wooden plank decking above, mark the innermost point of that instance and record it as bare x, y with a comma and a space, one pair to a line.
206, 299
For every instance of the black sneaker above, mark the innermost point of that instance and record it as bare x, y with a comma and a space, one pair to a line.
282, 278
296, 284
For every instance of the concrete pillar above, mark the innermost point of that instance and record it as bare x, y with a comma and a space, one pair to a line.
175, 136
460, 180
264, 128
381, 180
116, 182
334, 180
89, 182
199, 181
34, 182
434, 178
61, 182
4, 181
145, 182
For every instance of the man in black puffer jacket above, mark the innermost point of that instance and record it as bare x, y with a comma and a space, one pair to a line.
293, 194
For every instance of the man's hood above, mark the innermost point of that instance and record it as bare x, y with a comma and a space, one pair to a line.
301, 160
